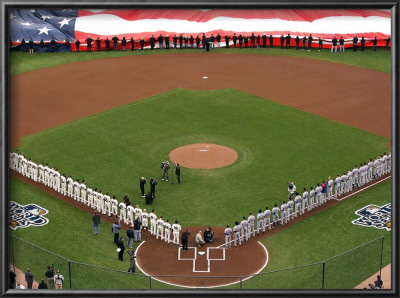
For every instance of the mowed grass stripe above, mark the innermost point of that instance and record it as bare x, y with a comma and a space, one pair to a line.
275, 143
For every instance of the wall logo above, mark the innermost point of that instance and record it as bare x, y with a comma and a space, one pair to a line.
26, 216
379, 217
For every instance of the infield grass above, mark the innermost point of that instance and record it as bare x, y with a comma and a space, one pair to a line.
379, 60
275, 144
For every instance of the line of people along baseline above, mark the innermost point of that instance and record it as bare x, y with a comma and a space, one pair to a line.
185, 42
101, 202
310, 199
242, 231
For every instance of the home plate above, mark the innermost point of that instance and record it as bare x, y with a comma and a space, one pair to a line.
205, 77
202, 252
203, 150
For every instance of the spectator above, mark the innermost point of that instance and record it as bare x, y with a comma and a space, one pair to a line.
199, 239
96, 223
137, 225
129, 236
58, 280
29, 278
208, 235
115, 228
50, 277
42, 285
12, 280
378, 282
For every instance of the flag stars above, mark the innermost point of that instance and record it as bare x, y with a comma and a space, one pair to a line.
66, 10
44, 30
46, 17
64, 22
27, 24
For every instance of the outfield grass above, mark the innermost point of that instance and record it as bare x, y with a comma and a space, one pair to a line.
312, 240
379, 60
112, 150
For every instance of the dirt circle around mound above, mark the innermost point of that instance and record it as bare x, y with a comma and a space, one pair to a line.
203, 156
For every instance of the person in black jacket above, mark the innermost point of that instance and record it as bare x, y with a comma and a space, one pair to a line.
89, 44
282, 40
98, 44
203, 40
334, 44
191, 39
355, 40
227, 41
252, 40
178, 172
304, 42
41, 43
161, 42
387, 43
185, 40
297, 39
246, 41
212, 40
107, 41
218, 38
320, 40
180, 41
207, 44
310, 39
234, 38
167, 42
77, 43
288, 38
362, 43
132, 44
141, 43
121, 246
115, 43
123, 42
67, 46
375, 42
153, 183
53, 45
264, 39
184, 238
31, 46
197, 41
152, 42
271, 42
240, 41
258, 38
142, 182
341, 44
175, 40
23, 45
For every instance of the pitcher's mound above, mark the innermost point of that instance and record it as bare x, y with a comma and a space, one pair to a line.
203, 156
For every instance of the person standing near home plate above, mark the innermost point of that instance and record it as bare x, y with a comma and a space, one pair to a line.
153, 218
176, 227
184, 239
267, 218
145, 220
236, 234
228, 236
275, 216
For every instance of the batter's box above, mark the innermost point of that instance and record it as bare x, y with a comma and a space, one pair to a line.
215, 253
189, 254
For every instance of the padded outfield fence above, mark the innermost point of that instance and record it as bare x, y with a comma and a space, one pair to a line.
337, 272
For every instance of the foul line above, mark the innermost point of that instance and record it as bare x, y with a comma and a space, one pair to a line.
364, 188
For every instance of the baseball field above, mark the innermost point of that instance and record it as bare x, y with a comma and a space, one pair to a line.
111, 118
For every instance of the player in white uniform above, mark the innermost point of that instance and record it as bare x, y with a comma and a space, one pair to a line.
57, 180
318, 195
330, 186
34, 174
122, 212
70, 185
24, 166
228, 236
176, 228
290, 208
28, 168
114, 206
260, 222
251, 219
52, 172
275, 216
337, 185
167, 231
297, 205
20, 166
14, 160
381, 166
370, 170
389, 162
291, 189
283, 213
130, 211
83, 190
349, 181
304, 201
41, 172
63, 185
267, 218
356, 176
245, 228
76, 185
89, 192
138, 212
153, 218
312, 196
236, 233
363, 173
343, 182
145, 220
100, 202
96, 202
107, 204
160, 228
385, 163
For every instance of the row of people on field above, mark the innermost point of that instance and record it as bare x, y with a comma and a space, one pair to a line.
251, 225
212, 41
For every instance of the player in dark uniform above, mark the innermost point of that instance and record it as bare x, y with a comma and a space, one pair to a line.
89, 44
258, 39
310, 39
23, 45
320, 41
132, 44
197, 41
123, 42
271, 42
53, 45
152, 42
180, 41
240, 41
191, 40
288, 38
362, 43
227, 41
41, 43
355, 40
77, 43
175, 41
252, 40
375, 42
98, 44
264, 39
67, 45
167, 42
304, 42
141, 43
297, 39
282, 40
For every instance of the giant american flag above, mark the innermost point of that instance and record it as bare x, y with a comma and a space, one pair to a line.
74, 24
